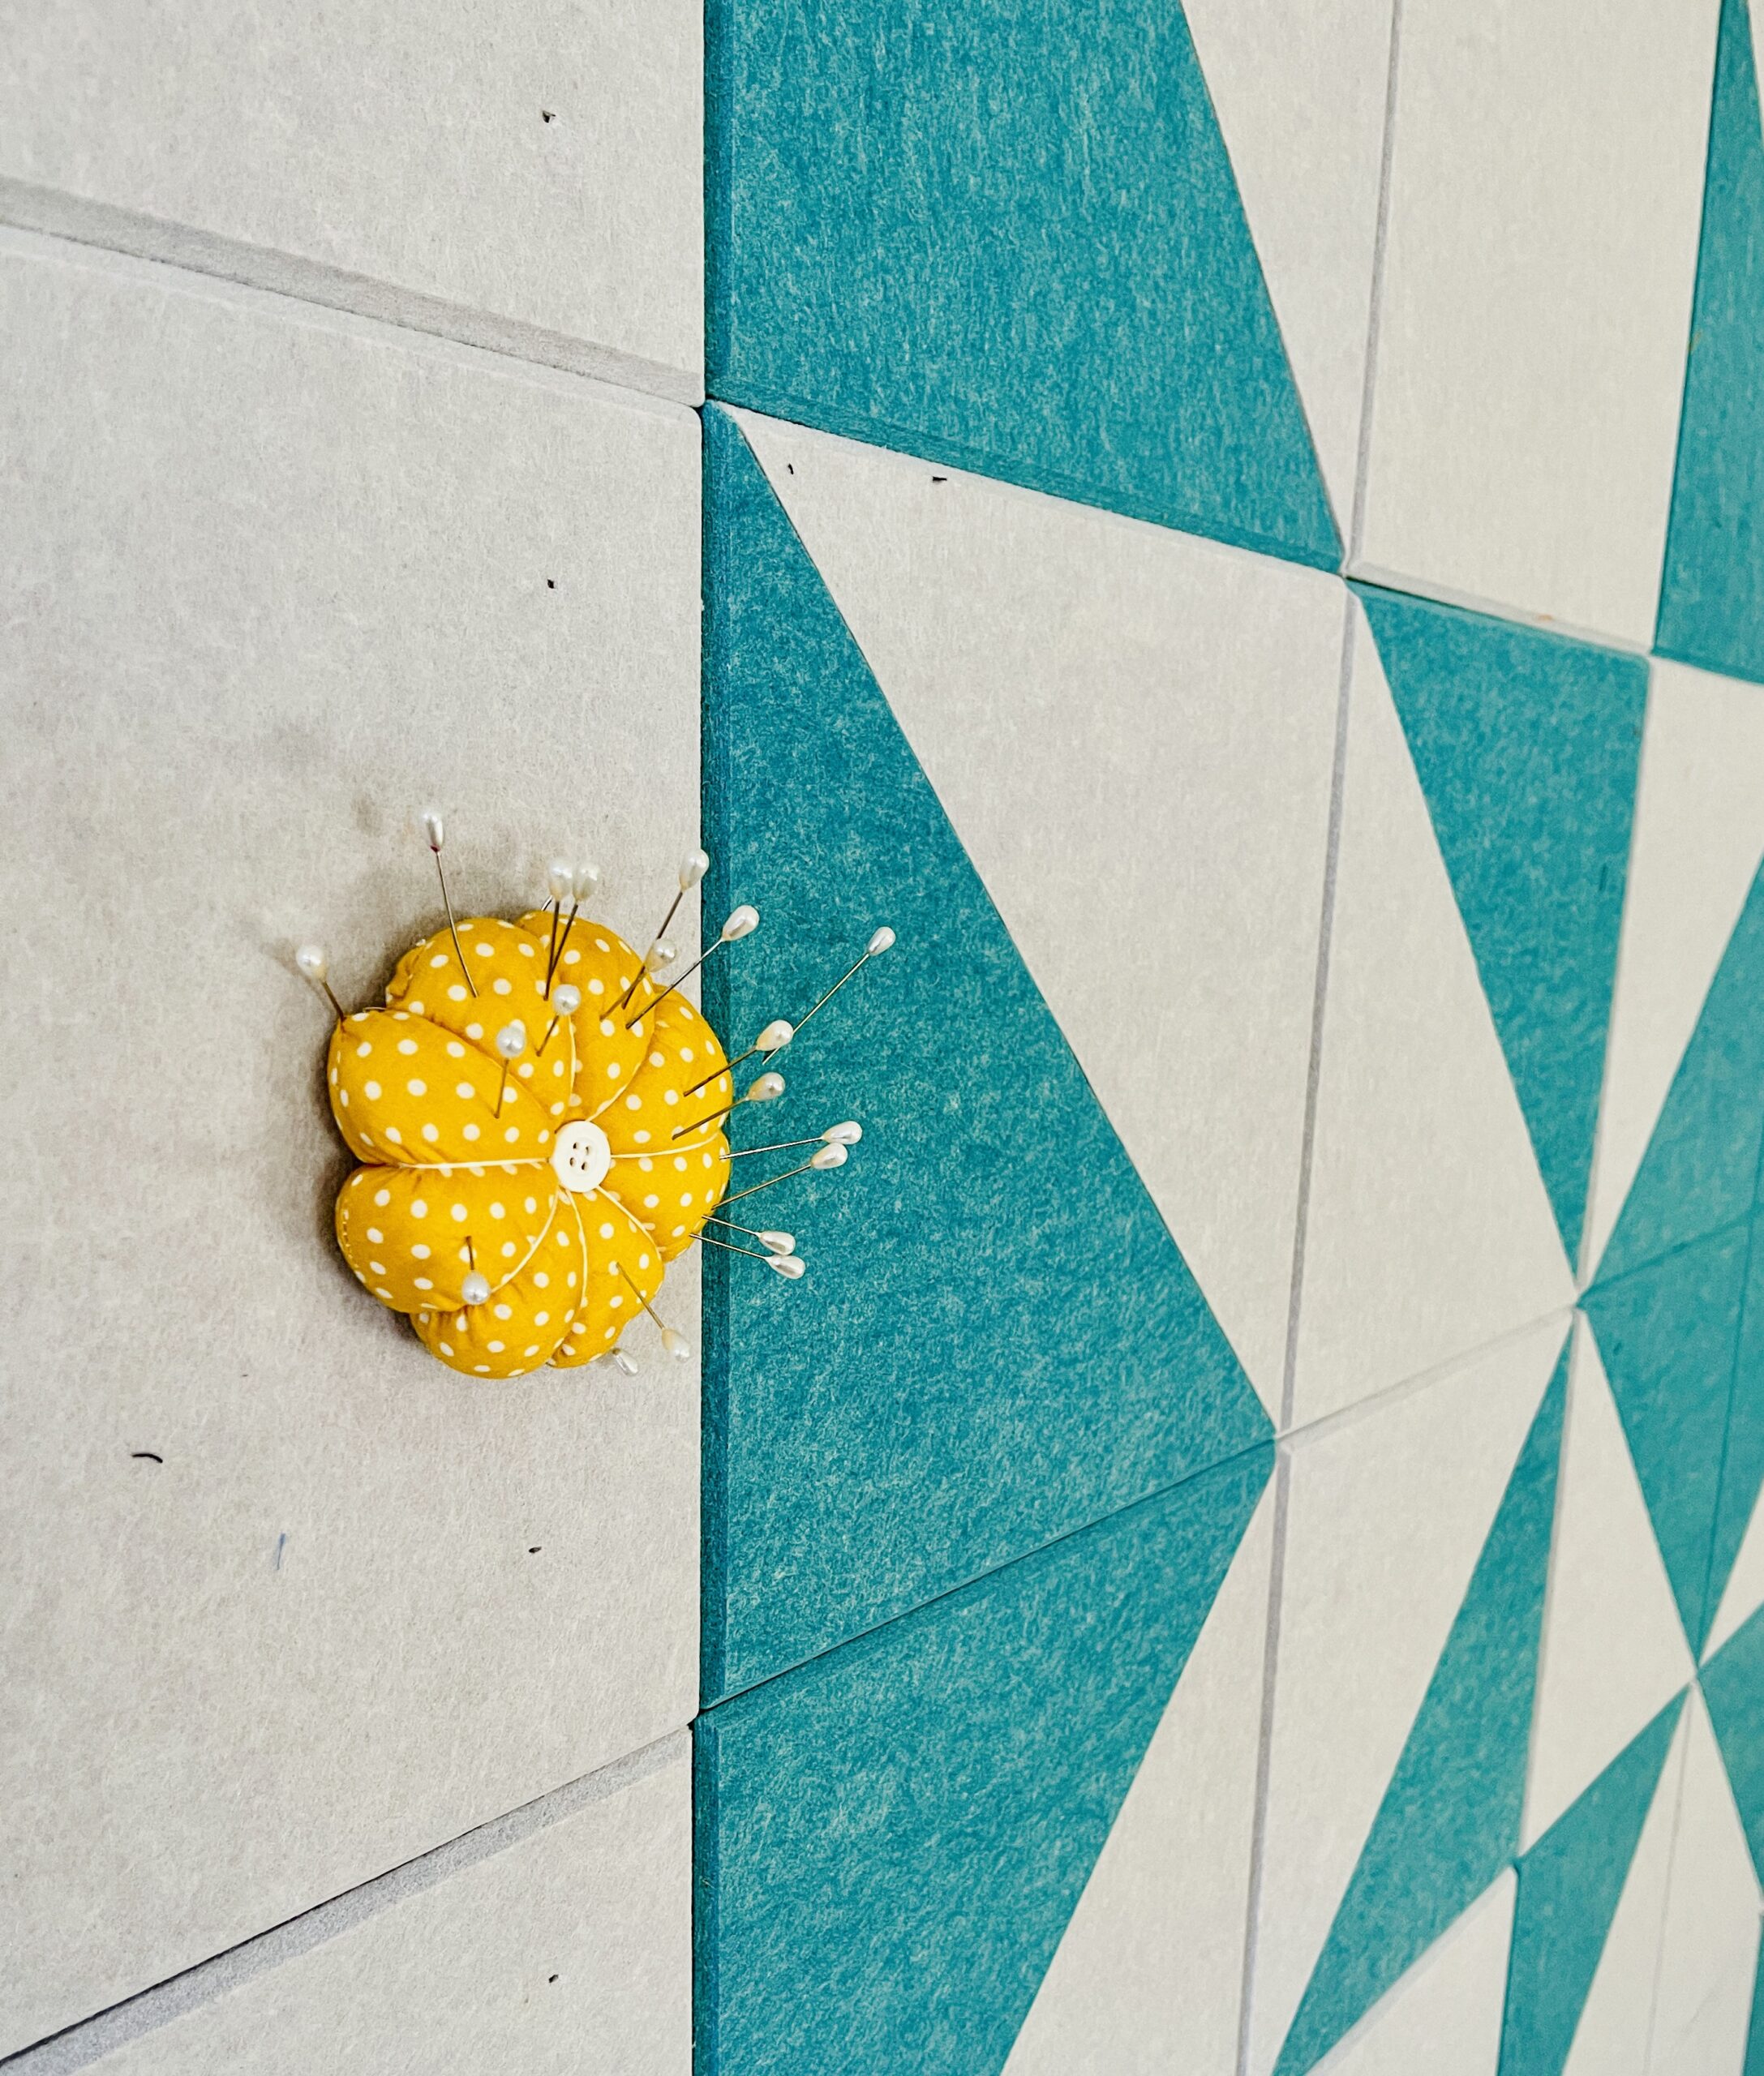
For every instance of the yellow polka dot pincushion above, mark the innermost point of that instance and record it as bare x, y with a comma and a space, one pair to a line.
520, 1203
538, 1119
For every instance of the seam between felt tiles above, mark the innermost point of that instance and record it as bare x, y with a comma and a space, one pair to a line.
1252, 1913
103, 227
1682, 1731
1363, 456
86, 2040
1332, 852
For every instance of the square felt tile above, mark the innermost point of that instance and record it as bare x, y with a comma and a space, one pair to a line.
288, 1601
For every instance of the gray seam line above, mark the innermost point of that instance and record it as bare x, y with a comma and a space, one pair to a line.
1357, 533
86, 2040
1282, 1468
108, 228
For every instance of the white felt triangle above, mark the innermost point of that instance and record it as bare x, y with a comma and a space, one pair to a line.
1132, 732
1299, 89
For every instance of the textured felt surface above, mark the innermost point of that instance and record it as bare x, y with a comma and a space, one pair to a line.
1569, 1883
1669, 1335
997, 1341
891, 1840
1525, 745
1712, 591
1007, 236
1449, 1820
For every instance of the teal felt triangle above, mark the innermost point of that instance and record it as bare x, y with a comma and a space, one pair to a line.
1527, 746
1733, 1685
997, 1341
1569, 1884
891, 1840
1701, 1167
1712, 591
1005, 235
1669, 1337
1742, 1449
1449, 1821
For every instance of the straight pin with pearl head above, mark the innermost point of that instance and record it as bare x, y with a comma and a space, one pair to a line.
771, 1041
829, 1156
583, 880
776, 1243
511, 1043
557, 881
767, 1089
675, 1343
880, 941
566, 1002
693, 869
742, 923
434, 833
315, 967
846, 1135
789, 1266
662, 952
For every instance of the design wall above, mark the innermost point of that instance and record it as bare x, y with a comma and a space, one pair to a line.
1237, 530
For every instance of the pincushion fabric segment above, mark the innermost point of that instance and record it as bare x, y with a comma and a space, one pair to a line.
457, 1137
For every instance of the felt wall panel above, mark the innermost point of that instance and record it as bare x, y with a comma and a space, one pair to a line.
1571, 1881
1449, 1821
1429, 1231
1698, 842
991, 1357
537, 189
1545, 187
1388, 1511
287, 1602
1064, 678
1612, 2036
1007, 237
1709, 1944
1669, 1337
892, 1839
567, 1953
1526, 747
1614, 1651
1149, 1974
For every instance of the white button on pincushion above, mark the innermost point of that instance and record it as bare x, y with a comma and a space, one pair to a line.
581, 1156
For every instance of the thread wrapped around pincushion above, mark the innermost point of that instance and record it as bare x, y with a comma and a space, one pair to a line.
463, 1175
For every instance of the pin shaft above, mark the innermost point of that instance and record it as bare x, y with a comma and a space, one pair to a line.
770, 1182
452, 928
827, 997
672, 910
